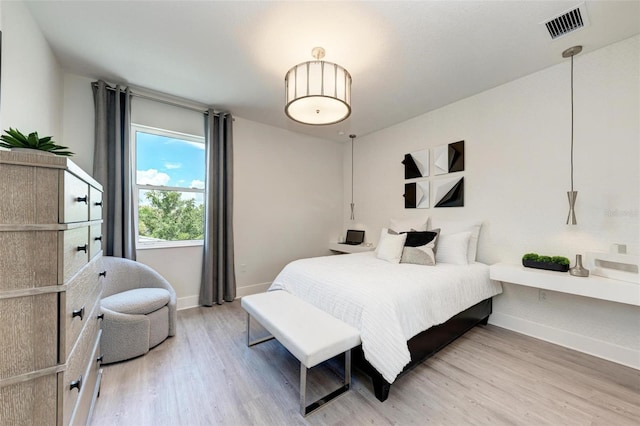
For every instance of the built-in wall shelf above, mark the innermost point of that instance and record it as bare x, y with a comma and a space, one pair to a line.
593, 286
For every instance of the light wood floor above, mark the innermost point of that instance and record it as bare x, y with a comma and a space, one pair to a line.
207, 376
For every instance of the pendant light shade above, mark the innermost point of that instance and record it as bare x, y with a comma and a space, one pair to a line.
572, 195
317, 92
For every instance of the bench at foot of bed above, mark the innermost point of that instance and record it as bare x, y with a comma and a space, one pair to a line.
311, 335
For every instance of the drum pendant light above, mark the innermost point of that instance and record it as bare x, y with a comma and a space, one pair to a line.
317, 92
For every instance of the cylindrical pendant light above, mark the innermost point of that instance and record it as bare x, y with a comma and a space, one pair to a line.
317, 92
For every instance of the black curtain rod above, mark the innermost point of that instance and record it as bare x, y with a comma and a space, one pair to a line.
157, 99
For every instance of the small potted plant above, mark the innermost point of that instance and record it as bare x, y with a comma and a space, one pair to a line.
14, 139
550, 263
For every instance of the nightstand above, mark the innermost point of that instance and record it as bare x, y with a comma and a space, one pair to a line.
346, 248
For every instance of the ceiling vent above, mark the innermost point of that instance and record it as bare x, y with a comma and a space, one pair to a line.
567, 22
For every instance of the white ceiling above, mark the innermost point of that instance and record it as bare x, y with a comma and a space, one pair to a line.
405, 58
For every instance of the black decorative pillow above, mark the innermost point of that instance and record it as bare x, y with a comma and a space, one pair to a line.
420, 248
417, 239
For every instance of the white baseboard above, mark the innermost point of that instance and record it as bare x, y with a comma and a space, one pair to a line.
578, 342
188, 302
194, 301
252, 289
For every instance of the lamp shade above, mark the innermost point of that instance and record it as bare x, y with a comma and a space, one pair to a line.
317, 93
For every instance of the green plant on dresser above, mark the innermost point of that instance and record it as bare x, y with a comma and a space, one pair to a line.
13, 138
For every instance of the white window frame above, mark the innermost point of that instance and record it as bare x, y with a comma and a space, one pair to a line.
137, 188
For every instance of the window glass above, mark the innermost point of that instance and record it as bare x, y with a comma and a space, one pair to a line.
170, 175
169, 161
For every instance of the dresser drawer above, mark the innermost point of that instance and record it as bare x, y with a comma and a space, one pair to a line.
28, 259
95, 240
95, 203
90, 387
74, 379
79, 301
28, 334
74, 199
73, 252
33, 402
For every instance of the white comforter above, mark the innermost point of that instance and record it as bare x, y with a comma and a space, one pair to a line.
388, 303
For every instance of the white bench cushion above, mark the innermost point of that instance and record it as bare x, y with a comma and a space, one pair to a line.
310, 334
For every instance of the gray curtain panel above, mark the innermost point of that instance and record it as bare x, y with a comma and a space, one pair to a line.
113, 168
218, 272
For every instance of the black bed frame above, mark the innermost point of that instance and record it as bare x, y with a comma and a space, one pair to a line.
426, 344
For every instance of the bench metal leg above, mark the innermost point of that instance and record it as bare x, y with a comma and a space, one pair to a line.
254, 342
305, 409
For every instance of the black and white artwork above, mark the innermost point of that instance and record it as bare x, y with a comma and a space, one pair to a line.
448, 158
416, 164
416, 195
448, 192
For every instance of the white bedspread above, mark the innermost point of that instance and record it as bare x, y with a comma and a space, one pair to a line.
388, 303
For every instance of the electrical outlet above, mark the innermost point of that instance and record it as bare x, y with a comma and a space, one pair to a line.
542, 295
243, 267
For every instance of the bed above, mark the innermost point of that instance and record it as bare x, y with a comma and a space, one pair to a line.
404, 312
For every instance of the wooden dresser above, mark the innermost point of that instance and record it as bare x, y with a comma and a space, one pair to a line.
50, 286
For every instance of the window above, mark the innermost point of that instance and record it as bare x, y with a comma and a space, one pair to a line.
169, 187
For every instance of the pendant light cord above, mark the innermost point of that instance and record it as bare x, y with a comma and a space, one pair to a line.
572, 195
352, 217
572, 123
352, 170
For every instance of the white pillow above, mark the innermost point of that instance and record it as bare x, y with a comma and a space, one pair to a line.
451, 227
409, 224
453, 248
390, 246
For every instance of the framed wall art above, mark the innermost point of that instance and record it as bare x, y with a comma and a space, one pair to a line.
416, 164
448, 158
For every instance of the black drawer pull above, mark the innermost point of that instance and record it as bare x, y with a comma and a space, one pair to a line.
83, 248
76, 384
78, 313
101, 316
102, 274
98, 238
82, 199
99, 359
99, 203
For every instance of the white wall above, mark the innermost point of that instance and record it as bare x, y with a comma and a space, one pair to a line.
288, 196
516, 176
1, 69
181, 266
31, 77
78, 119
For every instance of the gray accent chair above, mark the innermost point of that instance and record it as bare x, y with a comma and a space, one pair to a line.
139, 308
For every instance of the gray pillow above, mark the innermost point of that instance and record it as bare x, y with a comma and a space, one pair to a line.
422, 255
420, 248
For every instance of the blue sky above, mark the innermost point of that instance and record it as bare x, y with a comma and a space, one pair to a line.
167, 161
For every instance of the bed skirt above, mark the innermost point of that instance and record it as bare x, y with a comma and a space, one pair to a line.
427, 343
